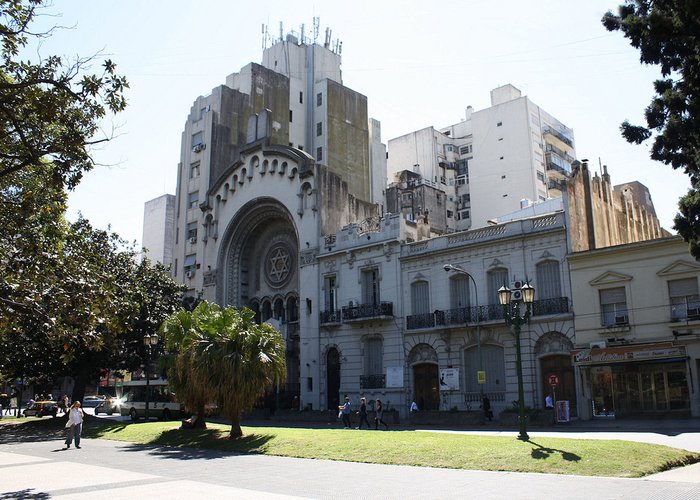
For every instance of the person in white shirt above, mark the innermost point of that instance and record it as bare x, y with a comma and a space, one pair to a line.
414, 406
74, 424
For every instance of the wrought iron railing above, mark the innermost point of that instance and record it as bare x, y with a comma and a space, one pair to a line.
330, 317
372, 381
472, 398
362, 311
544, 307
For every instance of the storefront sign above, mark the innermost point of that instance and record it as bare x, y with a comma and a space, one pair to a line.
449, 379
627, 354
394, 376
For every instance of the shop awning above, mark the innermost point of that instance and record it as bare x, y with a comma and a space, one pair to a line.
628, 354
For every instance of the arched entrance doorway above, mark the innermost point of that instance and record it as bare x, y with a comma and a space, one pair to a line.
553, 349
333, 378
426, 392
425, 386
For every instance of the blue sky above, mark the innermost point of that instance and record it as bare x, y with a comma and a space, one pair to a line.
419, 64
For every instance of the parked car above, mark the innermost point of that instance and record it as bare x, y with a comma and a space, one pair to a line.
92, 401
108, 406
42, 408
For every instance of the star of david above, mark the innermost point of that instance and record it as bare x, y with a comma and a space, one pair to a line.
279, 264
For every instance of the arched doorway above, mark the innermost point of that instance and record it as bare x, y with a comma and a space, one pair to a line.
426, 392
425, 386
552, 350
333, 378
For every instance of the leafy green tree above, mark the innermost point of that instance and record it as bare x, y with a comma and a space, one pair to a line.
49, 110
667, 34
228, 357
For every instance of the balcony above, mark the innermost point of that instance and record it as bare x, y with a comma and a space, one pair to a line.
372, 381
546, 307
559, 135
492, 312
330, 318
383, 310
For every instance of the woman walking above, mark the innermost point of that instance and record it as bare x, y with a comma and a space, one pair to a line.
379, 416
363, 413
74, 424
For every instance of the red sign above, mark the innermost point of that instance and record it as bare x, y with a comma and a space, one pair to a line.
553, 380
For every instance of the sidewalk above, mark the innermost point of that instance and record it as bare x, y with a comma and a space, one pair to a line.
123, 470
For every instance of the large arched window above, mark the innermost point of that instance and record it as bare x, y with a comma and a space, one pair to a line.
420, 297
459, 292
493, 362
548, 280
496, 278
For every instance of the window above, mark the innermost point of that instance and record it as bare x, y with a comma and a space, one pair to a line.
301, 98
685, 303
370, 286
190, 262
193, 200
420, 297
194, 170
493, 361
319, 99
540, 176
450, 214
291, 116
459, 291
330, 290
499, 124
613, 307
197, 139
464, 150
464, 214
548, 280
192, 231
496, 278
319, 154
465, 199
319, 129
373, 356
461, 180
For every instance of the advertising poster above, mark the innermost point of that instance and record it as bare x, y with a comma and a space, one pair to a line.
449, 379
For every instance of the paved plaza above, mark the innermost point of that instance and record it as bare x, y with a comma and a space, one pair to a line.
43, 469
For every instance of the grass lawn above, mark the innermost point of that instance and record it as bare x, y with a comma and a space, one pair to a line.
406, 447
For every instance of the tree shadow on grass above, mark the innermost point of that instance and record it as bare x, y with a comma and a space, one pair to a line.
541, 452
180, 444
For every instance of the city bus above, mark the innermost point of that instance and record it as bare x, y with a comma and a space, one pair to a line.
161, 403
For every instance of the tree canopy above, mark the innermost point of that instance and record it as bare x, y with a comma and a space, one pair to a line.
667, 34
50, 110
222, 355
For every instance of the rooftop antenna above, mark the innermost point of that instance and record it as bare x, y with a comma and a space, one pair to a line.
317, 23
264, 36
281, 31
327, 43
340, 48
302, 33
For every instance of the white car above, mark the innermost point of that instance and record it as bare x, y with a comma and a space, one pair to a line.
92, 401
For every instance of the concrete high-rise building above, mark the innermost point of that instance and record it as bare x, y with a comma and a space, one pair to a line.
159, 229
492, 160
273, 164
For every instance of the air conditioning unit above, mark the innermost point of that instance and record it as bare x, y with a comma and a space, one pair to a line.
621, 320
516, 295
598, 345
198, 147
189, 274
193, 240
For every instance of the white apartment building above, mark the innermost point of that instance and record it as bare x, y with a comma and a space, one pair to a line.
159, 229
492, 160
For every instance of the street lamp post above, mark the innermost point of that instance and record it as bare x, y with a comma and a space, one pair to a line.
149, 341
448, 268
512, 316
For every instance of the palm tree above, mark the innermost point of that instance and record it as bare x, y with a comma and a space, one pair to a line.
226, 357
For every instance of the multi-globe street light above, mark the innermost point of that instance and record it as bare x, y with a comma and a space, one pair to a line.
459, 270
511, 301
149, 341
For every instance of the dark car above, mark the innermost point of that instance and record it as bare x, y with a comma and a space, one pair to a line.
41, 409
